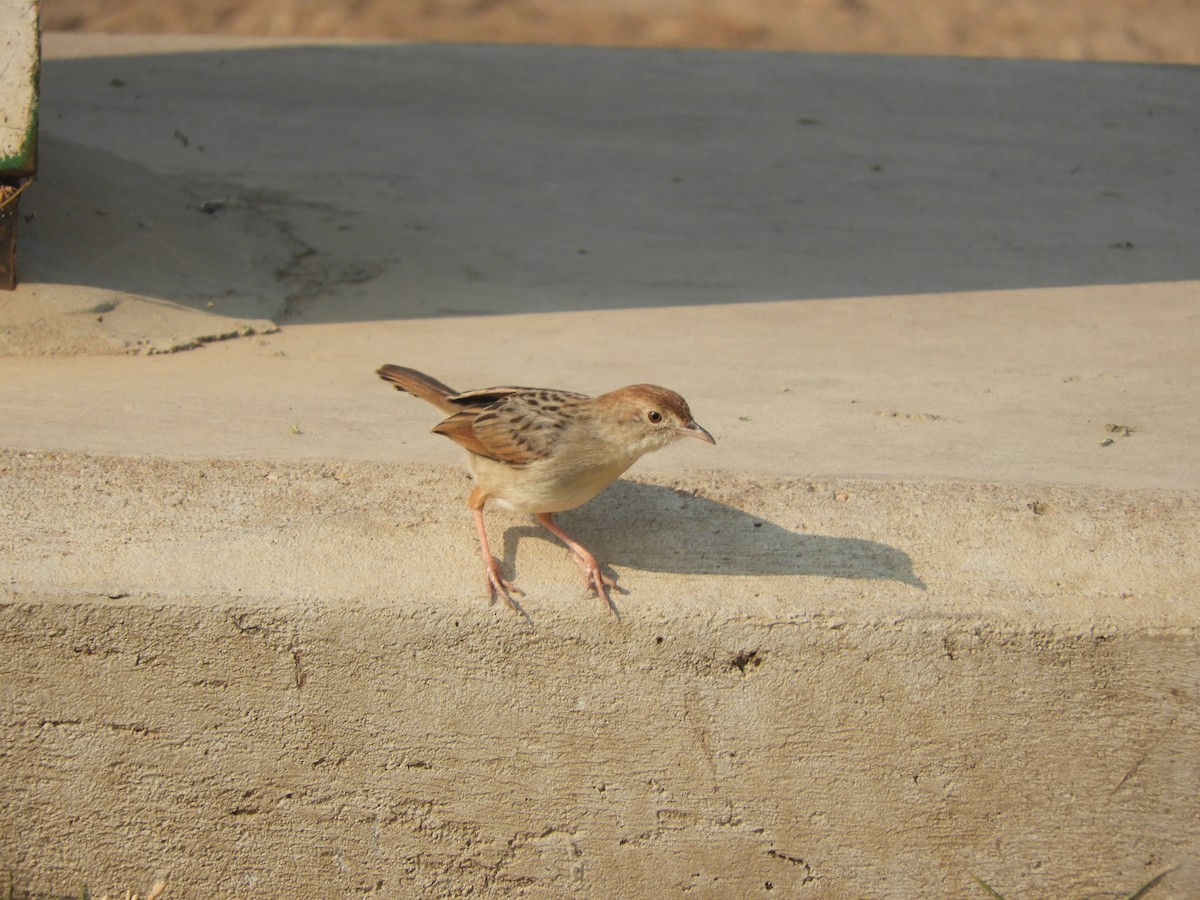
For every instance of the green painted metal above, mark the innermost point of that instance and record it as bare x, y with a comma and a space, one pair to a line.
24, 161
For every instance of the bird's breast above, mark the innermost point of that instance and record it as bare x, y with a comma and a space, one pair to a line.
546, 486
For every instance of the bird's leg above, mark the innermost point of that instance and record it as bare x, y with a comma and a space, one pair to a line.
495, 582
596, 580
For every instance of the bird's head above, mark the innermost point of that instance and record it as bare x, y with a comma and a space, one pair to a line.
648, 417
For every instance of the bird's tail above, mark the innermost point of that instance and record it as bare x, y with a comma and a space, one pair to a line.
419, 385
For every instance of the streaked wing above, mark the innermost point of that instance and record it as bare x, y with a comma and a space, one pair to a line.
485, 396
519, 426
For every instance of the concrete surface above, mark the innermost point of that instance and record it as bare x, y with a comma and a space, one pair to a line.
920, 615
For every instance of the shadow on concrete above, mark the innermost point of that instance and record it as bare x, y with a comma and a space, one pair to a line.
98, 220
429, 180
659, 529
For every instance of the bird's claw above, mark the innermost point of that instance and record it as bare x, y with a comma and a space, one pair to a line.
595, 581
598, 584
499, 587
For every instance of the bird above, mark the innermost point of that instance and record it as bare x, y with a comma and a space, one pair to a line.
542, 451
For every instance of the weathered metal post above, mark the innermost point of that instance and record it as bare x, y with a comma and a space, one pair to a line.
19, 63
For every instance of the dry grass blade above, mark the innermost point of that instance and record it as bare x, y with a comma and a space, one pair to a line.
154, 893
987, 887
1153, 882
9, 193
1136, 895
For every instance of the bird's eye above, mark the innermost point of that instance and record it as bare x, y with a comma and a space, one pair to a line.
654, 416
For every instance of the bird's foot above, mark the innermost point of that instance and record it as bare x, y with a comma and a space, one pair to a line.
498, 587
595, 581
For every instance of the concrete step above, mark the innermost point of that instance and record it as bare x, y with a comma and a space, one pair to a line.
250, 676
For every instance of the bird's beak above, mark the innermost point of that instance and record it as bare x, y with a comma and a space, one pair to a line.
694, 429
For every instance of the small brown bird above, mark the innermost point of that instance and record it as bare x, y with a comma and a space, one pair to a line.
542, 451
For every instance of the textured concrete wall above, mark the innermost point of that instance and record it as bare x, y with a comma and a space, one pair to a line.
245, 752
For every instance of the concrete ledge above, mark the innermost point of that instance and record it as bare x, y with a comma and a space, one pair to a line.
283, 680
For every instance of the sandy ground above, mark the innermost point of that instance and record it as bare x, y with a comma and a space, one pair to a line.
1130, 30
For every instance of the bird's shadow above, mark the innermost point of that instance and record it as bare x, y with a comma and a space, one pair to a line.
667, 530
